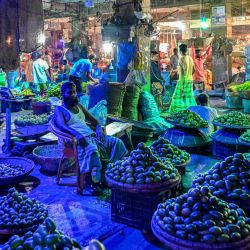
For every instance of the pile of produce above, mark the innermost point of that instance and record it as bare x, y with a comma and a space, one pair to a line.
200, 217
188, 118
18, 211
243, 87
234, 118
30, 119
246, 136
27, 92
163, 148
54, 92
8, 170
41, 99
141, 167
228, 179
45, 237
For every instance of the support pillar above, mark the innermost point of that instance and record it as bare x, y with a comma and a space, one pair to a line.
144, 45
221, 62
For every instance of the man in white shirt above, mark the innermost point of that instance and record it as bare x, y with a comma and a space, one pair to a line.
40, 71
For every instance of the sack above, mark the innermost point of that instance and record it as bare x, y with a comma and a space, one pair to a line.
99, 111
130, 102
97, 92
148, 106
158, 123
116, 93
84, 101
135, 77
139, 61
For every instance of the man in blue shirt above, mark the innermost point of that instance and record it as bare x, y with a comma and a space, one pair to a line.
81, 72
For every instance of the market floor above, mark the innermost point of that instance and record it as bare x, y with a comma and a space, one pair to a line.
87, 217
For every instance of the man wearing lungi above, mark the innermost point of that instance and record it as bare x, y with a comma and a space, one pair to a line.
93, 145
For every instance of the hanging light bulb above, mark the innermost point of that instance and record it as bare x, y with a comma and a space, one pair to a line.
204, 24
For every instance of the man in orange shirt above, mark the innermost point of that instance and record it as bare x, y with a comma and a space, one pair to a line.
199, 73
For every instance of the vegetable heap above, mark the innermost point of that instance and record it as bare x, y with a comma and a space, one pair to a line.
229, 178
27, 92
164, 149
29, 120
243, 87
246, 136
54, 92
141, 167
8, 170
17, 211
200, 217
188, 118
45, 237
234, 118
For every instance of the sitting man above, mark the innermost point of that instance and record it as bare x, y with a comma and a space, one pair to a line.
71, 118
206, 112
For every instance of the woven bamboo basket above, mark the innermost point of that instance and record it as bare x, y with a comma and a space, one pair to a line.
179, 244
144, 188
27, 165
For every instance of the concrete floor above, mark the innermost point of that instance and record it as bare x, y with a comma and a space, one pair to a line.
86, 217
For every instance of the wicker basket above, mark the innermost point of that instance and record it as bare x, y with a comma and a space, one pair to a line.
27, 165
179, 244
32, 131
144, 188
48, 157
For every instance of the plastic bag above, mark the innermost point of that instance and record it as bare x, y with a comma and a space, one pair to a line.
148, 105
84, 101
55, 101
135, 77
158, 123
99, 111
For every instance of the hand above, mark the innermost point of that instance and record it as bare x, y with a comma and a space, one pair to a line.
99, 132
81, 140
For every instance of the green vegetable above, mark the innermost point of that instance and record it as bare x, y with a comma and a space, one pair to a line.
188, 118
234, 178
141, 167
46, 237
246, 136
234, 118
18, 211
198, 216
30, 119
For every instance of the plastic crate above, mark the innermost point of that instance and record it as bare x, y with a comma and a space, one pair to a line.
136, 210
221, 150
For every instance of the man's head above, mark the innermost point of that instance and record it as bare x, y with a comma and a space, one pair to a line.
198, 53
36, 55
92, 58
175, 51
69, 95
154, 56
183, 48
202, 99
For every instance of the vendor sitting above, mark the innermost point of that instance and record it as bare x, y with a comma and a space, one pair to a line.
71, 118
205, 111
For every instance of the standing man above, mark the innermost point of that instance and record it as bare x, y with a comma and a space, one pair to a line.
199, 72
40, 70
81, 72
174, 61
157, 81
